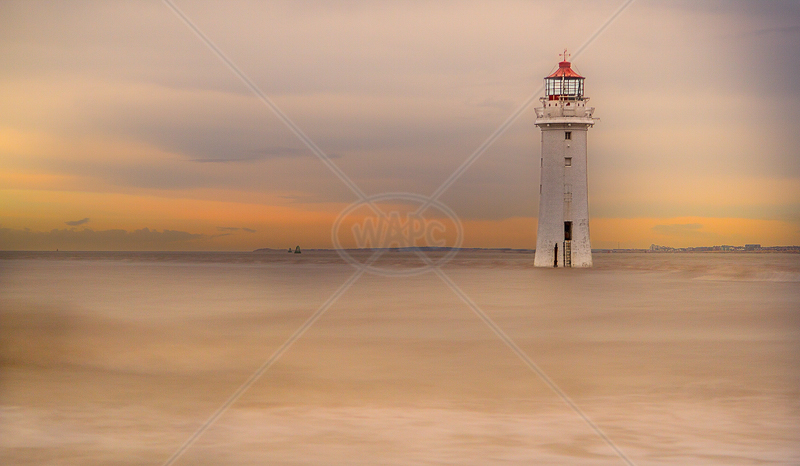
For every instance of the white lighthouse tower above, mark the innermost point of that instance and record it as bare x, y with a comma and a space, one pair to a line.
563, 236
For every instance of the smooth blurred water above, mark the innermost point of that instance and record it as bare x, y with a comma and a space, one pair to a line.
117, 358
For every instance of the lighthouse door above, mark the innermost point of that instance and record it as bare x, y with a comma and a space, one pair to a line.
567, 244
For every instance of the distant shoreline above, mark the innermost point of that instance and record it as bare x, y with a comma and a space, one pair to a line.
651, 250
692, 250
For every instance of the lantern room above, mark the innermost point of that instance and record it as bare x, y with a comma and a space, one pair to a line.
564, 83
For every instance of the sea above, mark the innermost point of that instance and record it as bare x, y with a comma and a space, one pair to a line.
256, 358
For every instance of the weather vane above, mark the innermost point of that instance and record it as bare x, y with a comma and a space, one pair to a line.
565, 54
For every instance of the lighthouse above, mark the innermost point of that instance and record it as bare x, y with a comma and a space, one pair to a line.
562, 238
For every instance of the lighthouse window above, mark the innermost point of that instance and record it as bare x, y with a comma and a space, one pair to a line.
553, 86
567, 134
564, 88
567, 161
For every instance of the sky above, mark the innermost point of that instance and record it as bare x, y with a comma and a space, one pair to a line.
120, 129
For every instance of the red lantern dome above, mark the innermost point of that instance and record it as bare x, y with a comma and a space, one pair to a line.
565, 70
564, 83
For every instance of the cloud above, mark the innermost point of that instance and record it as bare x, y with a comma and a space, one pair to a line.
248, 230
257, 155
677, 229
101, 240
769, 31
75, 223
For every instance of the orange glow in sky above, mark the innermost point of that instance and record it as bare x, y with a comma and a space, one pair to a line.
116, 119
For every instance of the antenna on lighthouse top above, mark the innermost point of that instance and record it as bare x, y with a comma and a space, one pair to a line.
565, 55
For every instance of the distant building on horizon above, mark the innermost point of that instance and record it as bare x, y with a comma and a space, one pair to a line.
562, 238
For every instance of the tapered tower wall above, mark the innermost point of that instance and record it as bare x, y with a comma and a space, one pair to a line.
564, 196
